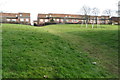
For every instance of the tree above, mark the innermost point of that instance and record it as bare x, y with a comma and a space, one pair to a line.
86, 10
108, 12
115, 13
95, 12
52, 20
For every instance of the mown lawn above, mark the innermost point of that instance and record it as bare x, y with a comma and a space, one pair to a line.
60, 51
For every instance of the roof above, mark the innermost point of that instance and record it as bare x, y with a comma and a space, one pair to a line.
115, 18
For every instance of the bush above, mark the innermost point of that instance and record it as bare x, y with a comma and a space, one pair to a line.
49, 23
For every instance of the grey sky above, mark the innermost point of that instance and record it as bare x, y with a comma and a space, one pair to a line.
54, 6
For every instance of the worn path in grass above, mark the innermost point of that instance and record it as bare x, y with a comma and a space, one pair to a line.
100, 43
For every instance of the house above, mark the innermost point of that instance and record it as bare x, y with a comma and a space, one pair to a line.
58, 18
115, 20
18, 18
70, 19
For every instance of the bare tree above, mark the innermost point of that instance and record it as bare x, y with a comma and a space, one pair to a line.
95, 12
86, 10
108, 12
115, 13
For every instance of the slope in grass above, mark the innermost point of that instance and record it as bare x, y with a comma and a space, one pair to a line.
100, 43
37, 52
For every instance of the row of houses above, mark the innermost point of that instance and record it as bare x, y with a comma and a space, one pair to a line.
42, 19
18, 18
70, 18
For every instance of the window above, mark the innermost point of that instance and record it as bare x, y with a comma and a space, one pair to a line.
50, 15
102, 22
46, 20
61, 20
46, 15
73, 20
27, 20
57, 19
92, 21
21, 19
41, 20
13, 19
20, 14
67, 20
8, 19
76, 20
16, 15
102, 18
107, 18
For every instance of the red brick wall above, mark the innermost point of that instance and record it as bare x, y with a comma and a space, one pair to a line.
11, 16
59, 15
71, 18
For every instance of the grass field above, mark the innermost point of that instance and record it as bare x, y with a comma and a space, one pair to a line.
60, 51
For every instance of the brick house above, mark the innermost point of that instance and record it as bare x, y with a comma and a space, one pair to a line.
69, 18
115, 20
99, 19
19, 18
58, 18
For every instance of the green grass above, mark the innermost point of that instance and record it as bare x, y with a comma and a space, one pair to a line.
60, 51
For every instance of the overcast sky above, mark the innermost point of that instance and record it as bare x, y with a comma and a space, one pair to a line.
54, 6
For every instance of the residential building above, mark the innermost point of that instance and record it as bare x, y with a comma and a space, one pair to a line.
70, 19
19, 18
115, 20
